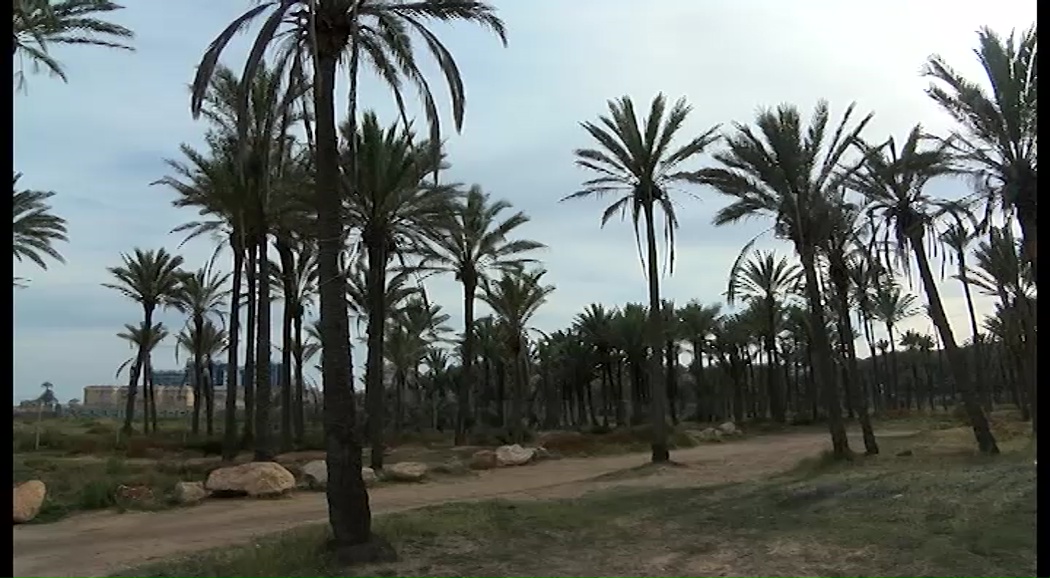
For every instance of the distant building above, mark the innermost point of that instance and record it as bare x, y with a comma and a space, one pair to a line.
112, 400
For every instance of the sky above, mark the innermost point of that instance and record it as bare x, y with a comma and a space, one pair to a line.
100, 140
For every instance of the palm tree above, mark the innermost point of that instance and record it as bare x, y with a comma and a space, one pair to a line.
891, 306
331, 31
635, 159
143, 338
203, 343
595, 325
203, 294
893, 183
698, 323
474, 241
41, 23
786, 172
397, 214
998, 128
957, 236
36, 228
514, 299
153, 280
767, 281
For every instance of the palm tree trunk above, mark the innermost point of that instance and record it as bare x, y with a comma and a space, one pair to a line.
957, 362
253, 282
894, 367
300, 428
1026, 217
840, 280
152, 392
209, 399
129, 408
376, 245
264, 396
348, 510
466, 381
198, 373
825, 373
658, 404
229, 446
145, 396
978, 367
284, 252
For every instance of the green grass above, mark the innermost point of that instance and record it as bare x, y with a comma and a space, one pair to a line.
80, 485
947, 515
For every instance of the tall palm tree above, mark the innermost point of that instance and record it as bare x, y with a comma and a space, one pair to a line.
786, 172
153, 280
768, 281
474, 240
635, 159
514, 299
893, 181
997, 136
397, 214
327, 32
203, 343
595, 325
41, 23
202, 296
36, 228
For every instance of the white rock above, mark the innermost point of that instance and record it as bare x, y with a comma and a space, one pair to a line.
369, 476
514, 455
406, 471
315, 474
729, 428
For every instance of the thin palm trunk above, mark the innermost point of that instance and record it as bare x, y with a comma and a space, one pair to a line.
287, 320
198, 373
264, 395
957, 361
129, 408
248, 436
376, 245
983, 391
229, 446
209, 399
299, 385
840, 279
658, 404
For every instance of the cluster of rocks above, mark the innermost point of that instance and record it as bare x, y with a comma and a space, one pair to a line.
717, 434
270, 479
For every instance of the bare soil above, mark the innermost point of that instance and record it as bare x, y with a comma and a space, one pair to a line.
99, 544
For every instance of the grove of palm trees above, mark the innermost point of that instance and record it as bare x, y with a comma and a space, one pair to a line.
330, 222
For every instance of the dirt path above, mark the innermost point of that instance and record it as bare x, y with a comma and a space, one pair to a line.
99, 544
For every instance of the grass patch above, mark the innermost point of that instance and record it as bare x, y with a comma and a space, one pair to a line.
76, 485
955, 515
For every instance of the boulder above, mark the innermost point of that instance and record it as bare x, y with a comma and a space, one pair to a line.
134, 493
729, 428
315, 474
190, 492
514, 455
483, 460
254, 479
369, 476
711, 435
29, 497
406, 471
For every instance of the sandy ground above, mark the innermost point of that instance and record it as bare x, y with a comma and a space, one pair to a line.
98, 544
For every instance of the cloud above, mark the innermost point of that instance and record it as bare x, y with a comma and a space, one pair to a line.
100, 140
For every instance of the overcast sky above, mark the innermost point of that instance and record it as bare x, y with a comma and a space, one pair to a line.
99, 140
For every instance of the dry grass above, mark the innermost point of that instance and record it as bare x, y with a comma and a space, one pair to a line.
941, 512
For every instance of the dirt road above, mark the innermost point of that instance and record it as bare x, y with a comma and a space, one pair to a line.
99, 544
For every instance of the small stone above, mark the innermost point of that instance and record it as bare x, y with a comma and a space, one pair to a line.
190, 492
514, 455
483, 460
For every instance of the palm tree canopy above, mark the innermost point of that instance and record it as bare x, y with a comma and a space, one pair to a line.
40, 23
142, 338
36, 228
516, 297
763, 277
637, 160
383, 30
998, 126
475, 239
891, 305
150, 278
203, 293
784, 171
